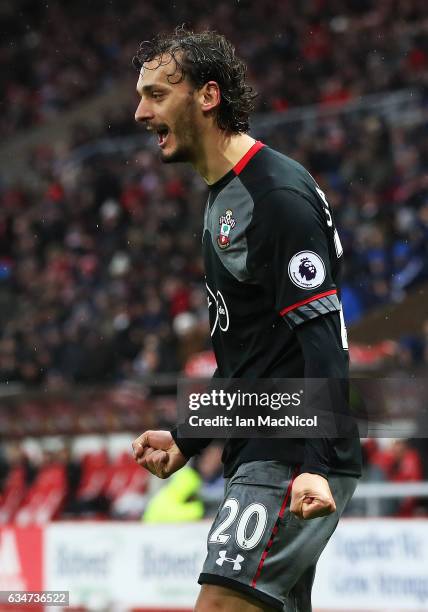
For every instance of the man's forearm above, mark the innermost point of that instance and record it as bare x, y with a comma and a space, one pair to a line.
189, 446
324, 359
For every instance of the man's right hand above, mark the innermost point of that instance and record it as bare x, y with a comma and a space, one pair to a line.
157, 452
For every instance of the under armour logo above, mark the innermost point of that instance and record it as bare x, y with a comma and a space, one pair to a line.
236, 562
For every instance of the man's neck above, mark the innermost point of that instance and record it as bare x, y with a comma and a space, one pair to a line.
220, 153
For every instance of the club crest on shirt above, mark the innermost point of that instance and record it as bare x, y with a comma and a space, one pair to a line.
227, 223
306, 270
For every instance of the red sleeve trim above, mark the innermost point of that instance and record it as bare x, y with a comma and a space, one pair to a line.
238, 168
310, 299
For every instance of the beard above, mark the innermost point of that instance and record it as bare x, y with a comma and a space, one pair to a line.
181, 153
186, 137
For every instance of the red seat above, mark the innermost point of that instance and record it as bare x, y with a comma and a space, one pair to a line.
13, 494
45, 498
126, 476
95, 472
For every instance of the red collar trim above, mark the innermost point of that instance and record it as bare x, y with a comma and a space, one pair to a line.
238, 168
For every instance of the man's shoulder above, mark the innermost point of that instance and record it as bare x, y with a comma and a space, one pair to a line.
279, 161
272, 171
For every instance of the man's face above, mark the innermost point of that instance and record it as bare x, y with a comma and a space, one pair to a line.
168, 109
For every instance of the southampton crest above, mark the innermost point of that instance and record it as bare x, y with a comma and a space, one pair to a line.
227, 223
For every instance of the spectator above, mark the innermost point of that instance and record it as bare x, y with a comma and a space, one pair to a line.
398, 462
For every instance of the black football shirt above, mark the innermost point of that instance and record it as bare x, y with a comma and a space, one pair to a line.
272, 262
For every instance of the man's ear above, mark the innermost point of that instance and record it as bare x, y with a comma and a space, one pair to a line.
209, 96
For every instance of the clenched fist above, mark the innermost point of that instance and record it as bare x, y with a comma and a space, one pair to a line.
157, 452
311, 497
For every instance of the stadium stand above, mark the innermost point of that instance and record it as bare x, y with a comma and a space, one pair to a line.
93, 264
317, 52
98, 485
101, 276
82, 233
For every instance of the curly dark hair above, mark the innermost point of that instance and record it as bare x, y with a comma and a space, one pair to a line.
202, 57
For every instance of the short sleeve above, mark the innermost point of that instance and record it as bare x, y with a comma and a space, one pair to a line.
288, 254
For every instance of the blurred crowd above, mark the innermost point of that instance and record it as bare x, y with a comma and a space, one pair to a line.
96, 477
53, 55
101, 276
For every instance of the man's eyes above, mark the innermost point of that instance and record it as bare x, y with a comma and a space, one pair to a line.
156, 95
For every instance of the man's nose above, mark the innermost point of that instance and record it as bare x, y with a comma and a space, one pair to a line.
143, 112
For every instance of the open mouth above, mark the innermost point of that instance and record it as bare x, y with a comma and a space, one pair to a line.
162, 133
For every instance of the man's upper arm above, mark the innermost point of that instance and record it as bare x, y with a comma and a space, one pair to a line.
289, 255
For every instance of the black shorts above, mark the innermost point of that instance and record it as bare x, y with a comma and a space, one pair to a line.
257, 546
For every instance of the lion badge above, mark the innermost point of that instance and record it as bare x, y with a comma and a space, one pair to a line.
306, 270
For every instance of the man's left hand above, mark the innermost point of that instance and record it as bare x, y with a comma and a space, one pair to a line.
311, 497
